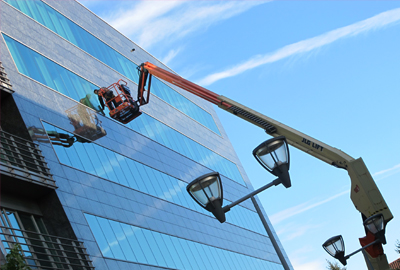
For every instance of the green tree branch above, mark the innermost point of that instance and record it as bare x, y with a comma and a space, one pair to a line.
14, 260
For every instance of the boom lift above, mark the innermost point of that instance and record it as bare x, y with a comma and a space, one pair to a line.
126, 109
365, 194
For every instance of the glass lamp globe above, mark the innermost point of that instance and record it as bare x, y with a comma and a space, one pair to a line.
376, 225
206, 190
273, 155
335, 247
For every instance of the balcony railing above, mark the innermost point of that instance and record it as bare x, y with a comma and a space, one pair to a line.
4, 81
45, 252
23, 159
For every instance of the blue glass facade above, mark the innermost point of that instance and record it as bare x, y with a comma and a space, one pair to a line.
121, 241
96, 160
122, 187
81, 38
45, 71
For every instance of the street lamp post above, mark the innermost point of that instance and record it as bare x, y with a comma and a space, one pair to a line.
207, 190
335, 245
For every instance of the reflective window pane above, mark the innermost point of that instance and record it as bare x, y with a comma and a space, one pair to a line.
129, 232
98, 49
122, 241
43, 69
111, 238
154, 248
99, 236
105, 163
146, 248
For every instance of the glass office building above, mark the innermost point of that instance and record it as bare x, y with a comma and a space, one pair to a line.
80, 190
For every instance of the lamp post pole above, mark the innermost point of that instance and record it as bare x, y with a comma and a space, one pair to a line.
369, 264
271, 235
362, 249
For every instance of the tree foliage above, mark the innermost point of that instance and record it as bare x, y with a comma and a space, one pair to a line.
397, 246
334, 266
14, 260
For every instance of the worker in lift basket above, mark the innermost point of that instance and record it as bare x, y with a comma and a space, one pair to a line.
125, 89
108, 95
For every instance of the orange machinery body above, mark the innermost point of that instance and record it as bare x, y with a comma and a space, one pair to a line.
126, 108
376, 249
147, 70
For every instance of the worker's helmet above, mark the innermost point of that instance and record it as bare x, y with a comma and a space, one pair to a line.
95, 91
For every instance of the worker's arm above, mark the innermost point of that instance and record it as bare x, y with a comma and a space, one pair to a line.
101, 101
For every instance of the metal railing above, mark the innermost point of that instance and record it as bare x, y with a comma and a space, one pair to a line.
23, 159
4, 81
45, 252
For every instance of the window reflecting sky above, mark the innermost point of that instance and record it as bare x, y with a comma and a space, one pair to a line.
125, 242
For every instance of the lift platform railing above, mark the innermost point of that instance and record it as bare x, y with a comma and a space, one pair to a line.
23, 159
45, 252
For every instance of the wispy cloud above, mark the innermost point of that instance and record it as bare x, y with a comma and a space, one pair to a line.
305, 258
290, 212
373, 23
171, 55
134, 19
150, 22
391, 171
299, 256
292, 230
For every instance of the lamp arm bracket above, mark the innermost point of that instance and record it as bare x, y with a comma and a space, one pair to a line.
228, 207
364, 247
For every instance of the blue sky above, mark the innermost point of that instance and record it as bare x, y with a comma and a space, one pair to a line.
330, 69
